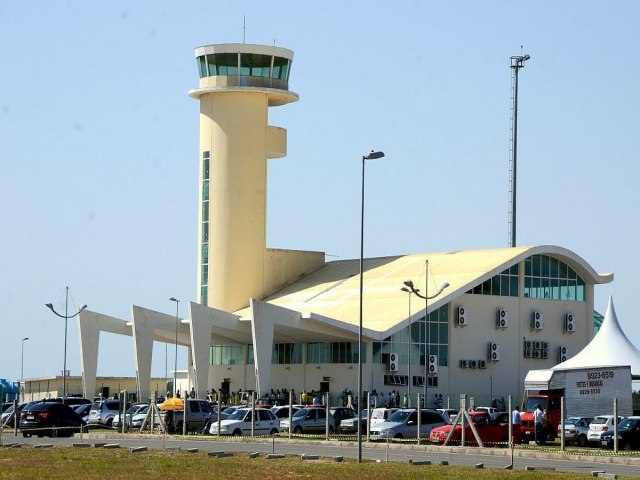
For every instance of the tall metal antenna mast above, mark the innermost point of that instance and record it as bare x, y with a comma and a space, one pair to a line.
517, 62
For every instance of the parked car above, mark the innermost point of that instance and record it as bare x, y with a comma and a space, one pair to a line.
72, 401
132, 410
447, 413
576, 430
7, 417
50, 419
379, 415
240, 423
282, 411
403, 424
138, 418
628, 435
350, 425
492, 431
337, 414
599, 425
103, 411
83, 410
308, 420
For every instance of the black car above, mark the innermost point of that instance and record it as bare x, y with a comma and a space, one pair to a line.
50, 419
628, 435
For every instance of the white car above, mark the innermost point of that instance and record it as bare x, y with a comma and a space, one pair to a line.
239, 423
599, 425
133, 409
403, 424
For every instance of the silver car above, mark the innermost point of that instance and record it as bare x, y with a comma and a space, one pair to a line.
240, 423
576, 430
404, 424
308, 420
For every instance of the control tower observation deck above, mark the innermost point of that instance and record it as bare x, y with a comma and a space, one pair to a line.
238, 83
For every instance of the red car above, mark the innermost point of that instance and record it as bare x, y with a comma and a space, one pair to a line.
493, 431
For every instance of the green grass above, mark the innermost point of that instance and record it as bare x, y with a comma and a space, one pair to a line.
73, 463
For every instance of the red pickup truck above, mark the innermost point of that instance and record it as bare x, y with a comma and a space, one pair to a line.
493, 431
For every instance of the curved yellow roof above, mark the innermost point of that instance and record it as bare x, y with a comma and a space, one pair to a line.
332, 292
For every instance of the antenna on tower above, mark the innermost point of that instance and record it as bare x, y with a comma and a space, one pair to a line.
244, 29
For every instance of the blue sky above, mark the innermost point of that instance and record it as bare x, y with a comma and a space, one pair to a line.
99, 146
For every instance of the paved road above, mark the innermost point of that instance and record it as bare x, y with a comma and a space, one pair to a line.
628, 466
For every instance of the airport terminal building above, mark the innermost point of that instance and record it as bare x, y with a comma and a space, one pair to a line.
270, 318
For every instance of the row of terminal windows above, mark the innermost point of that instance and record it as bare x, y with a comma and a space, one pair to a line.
545, 278
244, 64
288, 353
204, 249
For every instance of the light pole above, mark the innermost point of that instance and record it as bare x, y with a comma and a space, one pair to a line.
517, 62
427, 333
175, 362
22, 363
408, 290
370, 156
66, 317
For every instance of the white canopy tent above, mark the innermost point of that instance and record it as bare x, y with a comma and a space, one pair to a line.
610, 347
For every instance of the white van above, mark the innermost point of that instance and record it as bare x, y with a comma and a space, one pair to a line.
379, 415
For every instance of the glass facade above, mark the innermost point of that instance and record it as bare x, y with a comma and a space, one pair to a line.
551, 279
225, 354
434, 334
504, 284
244, 65
333, 352
204, 248
282, 354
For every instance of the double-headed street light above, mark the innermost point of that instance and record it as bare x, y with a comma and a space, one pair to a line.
408, 290
427, 334
66, 317
175, 361
370, 156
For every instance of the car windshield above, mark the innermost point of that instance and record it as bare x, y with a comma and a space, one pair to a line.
533, 402
399, 417
237, 415
301, 413
628, 424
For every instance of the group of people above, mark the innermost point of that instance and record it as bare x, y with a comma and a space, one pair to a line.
538, 420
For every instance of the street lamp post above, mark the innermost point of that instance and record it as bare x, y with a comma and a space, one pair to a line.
22, 363
370, 156
66, 317
427, 333
408, 290
175, 361
517, 62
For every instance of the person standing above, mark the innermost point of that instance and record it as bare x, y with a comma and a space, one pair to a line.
538, 418
515, 420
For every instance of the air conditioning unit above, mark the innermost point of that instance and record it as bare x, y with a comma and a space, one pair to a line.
463, 316
494, 351
482, 364
544, 353
527, 353
527, 345
536, 345
393, 362
537, 321
473, 364
569, 323
536, 354
433, 364
463, 364
563, 353
544, 345
502, 320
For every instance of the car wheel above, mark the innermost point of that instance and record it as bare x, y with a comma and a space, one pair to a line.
273, 431
298, 430
331, 429
398, 435
25, 434
109, 423
54, 431
582, 441
626, 446
237, 432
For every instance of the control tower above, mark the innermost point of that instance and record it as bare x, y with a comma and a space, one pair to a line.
238, 84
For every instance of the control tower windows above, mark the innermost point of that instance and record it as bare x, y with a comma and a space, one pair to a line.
255, 65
